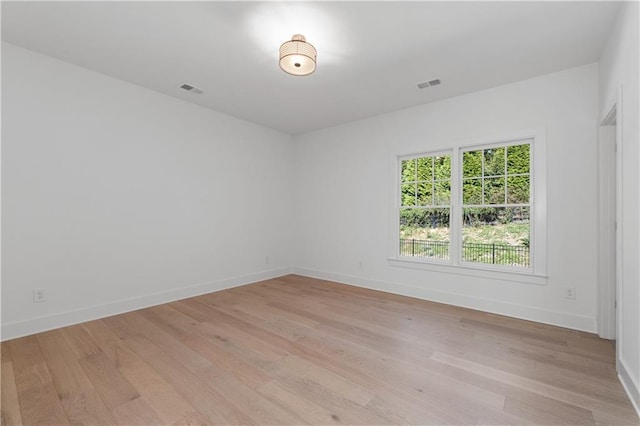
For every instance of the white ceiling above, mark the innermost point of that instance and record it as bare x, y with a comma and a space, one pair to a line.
371, 55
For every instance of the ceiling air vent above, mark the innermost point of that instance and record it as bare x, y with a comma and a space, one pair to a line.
429, 83
192, 89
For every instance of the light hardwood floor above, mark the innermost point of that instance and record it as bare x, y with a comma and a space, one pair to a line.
297, 350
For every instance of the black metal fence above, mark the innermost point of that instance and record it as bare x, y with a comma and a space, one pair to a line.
424, 248
498, 254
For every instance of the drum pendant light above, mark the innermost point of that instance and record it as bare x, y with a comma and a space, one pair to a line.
297, 57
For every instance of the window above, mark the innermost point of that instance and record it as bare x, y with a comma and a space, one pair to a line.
474, 206
496, 204
425, 207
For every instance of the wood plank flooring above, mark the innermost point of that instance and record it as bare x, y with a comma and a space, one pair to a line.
297, 350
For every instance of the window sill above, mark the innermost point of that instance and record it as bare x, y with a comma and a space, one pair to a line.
523, 277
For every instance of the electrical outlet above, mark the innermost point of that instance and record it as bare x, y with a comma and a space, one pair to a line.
267, 260
38, 295
570, 293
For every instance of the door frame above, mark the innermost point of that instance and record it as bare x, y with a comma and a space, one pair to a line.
610, 219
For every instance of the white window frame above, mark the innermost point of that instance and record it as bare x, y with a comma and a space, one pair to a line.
536, 273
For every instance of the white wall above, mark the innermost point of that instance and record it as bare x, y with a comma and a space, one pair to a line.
117, 197
342, 197
619, 69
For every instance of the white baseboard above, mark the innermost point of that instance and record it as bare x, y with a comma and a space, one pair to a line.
629, 385
561, 319
12, 330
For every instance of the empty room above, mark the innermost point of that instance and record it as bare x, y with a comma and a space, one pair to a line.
292, 213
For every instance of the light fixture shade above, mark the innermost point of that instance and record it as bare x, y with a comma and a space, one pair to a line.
297, 57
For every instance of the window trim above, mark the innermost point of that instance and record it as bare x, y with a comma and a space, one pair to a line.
536, 273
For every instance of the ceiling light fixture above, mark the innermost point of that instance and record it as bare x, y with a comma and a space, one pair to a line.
297, 57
